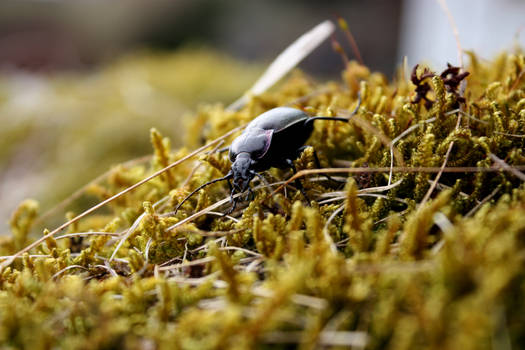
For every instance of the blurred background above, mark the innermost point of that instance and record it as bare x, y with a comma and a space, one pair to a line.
81, 82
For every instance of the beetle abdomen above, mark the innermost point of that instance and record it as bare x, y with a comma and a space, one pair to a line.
277, 118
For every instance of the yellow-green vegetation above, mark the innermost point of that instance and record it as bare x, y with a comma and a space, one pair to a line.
59, 131
415, 260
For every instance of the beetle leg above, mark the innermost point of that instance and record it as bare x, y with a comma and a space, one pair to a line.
232, 208
298, 183
263, 180
233, 202
250, 195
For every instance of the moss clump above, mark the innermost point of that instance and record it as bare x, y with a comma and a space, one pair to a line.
387, 262
68, 128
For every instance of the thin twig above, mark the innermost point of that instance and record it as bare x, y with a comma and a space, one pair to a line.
365, 124
64, 203
356, 339
483, 201
244, 250
107, 268
20, 257
209, 208
305, 172
68, 268
443, 4
215, 233
485, 122
133, 227
441, 186
340, 198
326, 234
112, 198
363, 190
189, 263
513, 170
81, 234
438, 176
399, 137
146, 257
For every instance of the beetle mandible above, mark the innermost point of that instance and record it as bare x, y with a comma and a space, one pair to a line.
273, 139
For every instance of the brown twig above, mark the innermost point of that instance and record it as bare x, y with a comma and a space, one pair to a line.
513, 170
64, 203
438, 176
483, 201
305, 172
112, 198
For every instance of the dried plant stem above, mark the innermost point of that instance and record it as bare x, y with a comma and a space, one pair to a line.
189, 263
326, 234
325, 338
112, 198
81, 234
518, 79
438, 176
32, 256
83, 189
69, 268
303, 173
513, 170
399, 137
365, 124
208, 209
127, 234
483, 201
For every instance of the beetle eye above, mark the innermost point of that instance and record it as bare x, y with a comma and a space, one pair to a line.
232, 156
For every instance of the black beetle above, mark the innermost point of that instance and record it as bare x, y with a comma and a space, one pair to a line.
273, 139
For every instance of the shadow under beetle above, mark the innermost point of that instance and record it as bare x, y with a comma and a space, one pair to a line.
273, 139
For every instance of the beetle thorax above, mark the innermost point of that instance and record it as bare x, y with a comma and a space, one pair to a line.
255, 142
242, 172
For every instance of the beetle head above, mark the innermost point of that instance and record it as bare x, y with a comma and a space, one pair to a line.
242, 172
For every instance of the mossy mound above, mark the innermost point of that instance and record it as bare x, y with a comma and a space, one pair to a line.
67, 128
387, 262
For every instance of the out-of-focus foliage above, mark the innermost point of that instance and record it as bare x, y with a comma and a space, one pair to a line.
60, 131
389, 270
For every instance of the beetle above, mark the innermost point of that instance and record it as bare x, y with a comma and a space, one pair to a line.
273, 139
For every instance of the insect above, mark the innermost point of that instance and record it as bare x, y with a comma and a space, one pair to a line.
273, 139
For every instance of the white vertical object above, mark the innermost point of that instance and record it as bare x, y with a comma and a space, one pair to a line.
485, 26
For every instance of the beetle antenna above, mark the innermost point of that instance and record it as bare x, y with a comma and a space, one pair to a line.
227, 177
347, 119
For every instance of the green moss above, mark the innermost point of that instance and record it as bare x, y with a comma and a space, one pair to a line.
369, 266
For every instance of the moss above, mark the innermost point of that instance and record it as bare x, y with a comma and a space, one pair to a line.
375, 266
